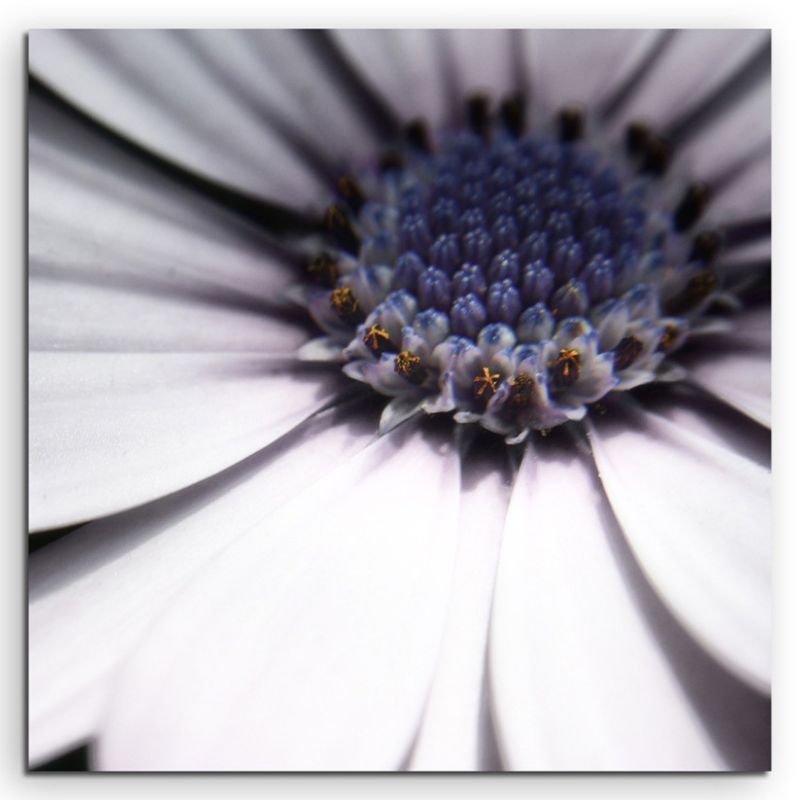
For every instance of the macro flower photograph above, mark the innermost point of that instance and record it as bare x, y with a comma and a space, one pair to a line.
399, 400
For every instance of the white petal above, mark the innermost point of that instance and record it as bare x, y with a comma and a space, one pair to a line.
110, 431
580, 66
579, 681
120, 259
270, 70
310, 643
482, 61
743, 130
404, 66
692, 66
456, 731
698, 518
95, 592
154, 88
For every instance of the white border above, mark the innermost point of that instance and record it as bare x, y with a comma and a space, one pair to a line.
783, 782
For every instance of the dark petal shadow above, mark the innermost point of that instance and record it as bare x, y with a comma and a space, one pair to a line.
742, 434
76, 760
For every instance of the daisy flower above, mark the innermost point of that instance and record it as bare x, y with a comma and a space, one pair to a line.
400, 399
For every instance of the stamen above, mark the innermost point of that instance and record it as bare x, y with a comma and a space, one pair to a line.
485, 382
478, 114
699, 287
565, 369
417, 135
668, 338
344, 303
521, 392
656, 155
626, 352
512, 113
692, 205
376, 338
351, 192
706, 246
570, 124
324, 269
636, 136
337, 223
409, 366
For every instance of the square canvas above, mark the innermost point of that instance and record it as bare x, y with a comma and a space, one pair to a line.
399, 400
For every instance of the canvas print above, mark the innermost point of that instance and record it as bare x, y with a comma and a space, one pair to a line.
399, 400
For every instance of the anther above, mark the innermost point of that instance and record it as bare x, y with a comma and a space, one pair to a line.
409, 366
485, 384
656, 155
512, 113
668, 338
566, 368
416, 133
626, 352
391, 161
570, 124
351, 192
324, 269
377, 338
636, 136
692, 205
478, 114
337, 223
344, 303
521, 393
699, 287
706, 246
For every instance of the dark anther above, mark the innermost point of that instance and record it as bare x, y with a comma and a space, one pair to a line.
351, 192
668, 339
705, 246
478, 114
692, 205
699, 287
512, 112
337, 223
636, 136
570, 124
377, 339
417, 135
344, 303
324, 269
626, 352
409, 366
656, 155
391, 161
565, 369
521, 393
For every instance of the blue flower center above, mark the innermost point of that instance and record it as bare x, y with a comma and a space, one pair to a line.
511, 279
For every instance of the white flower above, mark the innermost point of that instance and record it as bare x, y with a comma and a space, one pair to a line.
259, 580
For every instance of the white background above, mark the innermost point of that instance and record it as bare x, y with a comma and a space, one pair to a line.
783, 782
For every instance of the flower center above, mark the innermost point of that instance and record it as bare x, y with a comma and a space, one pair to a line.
513, 278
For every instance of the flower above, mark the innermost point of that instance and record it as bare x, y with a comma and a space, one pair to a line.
260, 581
